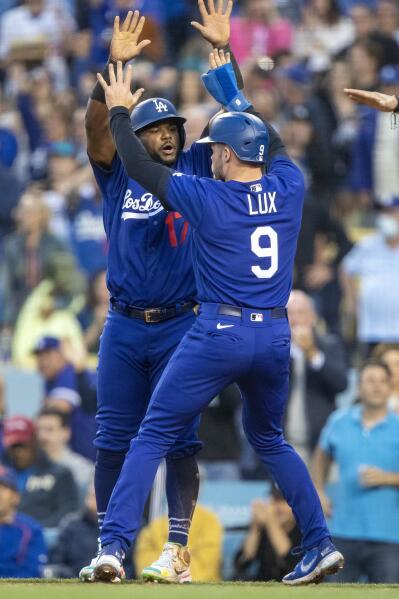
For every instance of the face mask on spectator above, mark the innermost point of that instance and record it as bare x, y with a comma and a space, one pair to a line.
388, 226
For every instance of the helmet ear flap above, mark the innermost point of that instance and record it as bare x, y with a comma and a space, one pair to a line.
182, 136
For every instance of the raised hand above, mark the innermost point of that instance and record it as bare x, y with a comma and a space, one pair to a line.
218, 58
125, 43
118, 93
376, 100
215, 27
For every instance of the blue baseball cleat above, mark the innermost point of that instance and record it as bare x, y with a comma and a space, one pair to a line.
316, 564
109, 564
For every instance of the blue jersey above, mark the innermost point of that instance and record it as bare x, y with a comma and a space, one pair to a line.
244, 234
149, 260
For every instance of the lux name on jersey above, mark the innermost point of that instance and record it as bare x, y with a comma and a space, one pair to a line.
262, 203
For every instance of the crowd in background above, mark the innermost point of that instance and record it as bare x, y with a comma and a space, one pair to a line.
296, 56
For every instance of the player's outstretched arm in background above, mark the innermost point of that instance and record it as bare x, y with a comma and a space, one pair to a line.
125, 46
382, 102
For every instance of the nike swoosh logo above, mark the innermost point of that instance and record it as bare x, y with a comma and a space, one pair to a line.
309, 565
224, 326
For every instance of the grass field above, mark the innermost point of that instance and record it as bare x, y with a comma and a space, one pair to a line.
75, 590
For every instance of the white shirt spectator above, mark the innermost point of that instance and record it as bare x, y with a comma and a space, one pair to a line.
376, 264
19, 25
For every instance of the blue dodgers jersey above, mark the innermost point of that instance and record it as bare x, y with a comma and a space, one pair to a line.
150, 257
244, 234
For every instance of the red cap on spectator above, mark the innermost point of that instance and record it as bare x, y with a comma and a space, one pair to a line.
17, 430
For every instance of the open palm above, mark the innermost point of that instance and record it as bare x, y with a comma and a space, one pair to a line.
382, 102
215, 27
125, 43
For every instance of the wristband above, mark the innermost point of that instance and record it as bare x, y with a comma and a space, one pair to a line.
396, 111
221, 83
98, 93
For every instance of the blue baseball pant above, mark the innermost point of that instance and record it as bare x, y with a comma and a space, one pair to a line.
133, 355
217, 351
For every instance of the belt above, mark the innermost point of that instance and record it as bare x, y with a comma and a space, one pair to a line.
152, 315
279, 312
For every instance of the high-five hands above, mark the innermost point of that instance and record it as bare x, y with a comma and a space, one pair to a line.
125, 43
215, 27
118, 92
382, 102
218, 58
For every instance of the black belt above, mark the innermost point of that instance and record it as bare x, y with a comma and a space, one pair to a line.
152, 315
234, 311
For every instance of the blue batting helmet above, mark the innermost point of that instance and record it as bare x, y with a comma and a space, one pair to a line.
154, 110
243, 132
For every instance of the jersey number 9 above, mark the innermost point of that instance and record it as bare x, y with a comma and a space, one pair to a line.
270, 252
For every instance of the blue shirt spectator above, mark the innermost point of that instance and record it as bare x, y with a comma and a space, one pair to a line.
22, 547
363, 441
71, 391
88, 239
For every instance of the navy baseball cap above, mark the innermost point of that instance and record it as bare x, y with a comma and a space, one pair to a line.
46, 343
8, 478
298, 73
389, 75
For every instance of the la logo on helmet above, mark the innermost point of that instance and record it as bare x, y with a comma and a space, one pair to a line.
160, 106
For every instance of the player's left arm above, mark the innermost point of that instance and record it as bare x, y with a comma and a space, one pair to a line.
221, 83
174, 190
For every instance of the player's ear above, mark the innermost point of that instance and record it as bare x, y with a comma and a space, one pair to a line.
226, 154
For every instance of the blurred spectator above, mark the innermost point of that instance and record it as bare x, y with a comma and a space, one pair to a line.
205, 544
22, 547
260, 31
219, 421
77, 540
375, 173
70, 388
88, 239
53, 435
370, 288
322, 33
322, 245
29, 31
370, 23
93, 315
37, 32
388, 18
266, 552
363, 442
48, 312
30, 255
318, 373
388, 353
48, 490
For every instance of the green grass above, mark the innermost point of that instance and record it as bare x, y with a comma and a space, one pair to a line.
75, 590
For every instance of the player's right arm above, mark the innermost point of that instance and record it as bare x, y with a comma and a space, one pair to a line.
125, 46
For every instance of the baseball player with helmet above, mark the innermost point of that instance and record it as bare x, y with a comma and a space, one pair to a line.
245, 230
151, 282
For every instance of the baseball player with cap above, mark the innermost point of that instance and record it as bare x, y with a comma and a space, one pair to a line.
245, 230
151, 281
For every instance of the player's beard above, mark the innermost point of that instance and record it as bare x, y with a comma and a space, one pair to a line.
166, 162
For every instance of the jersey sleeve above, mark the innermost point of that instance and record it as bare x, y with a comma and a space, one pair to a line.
187, 194
112, 181
196, 160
